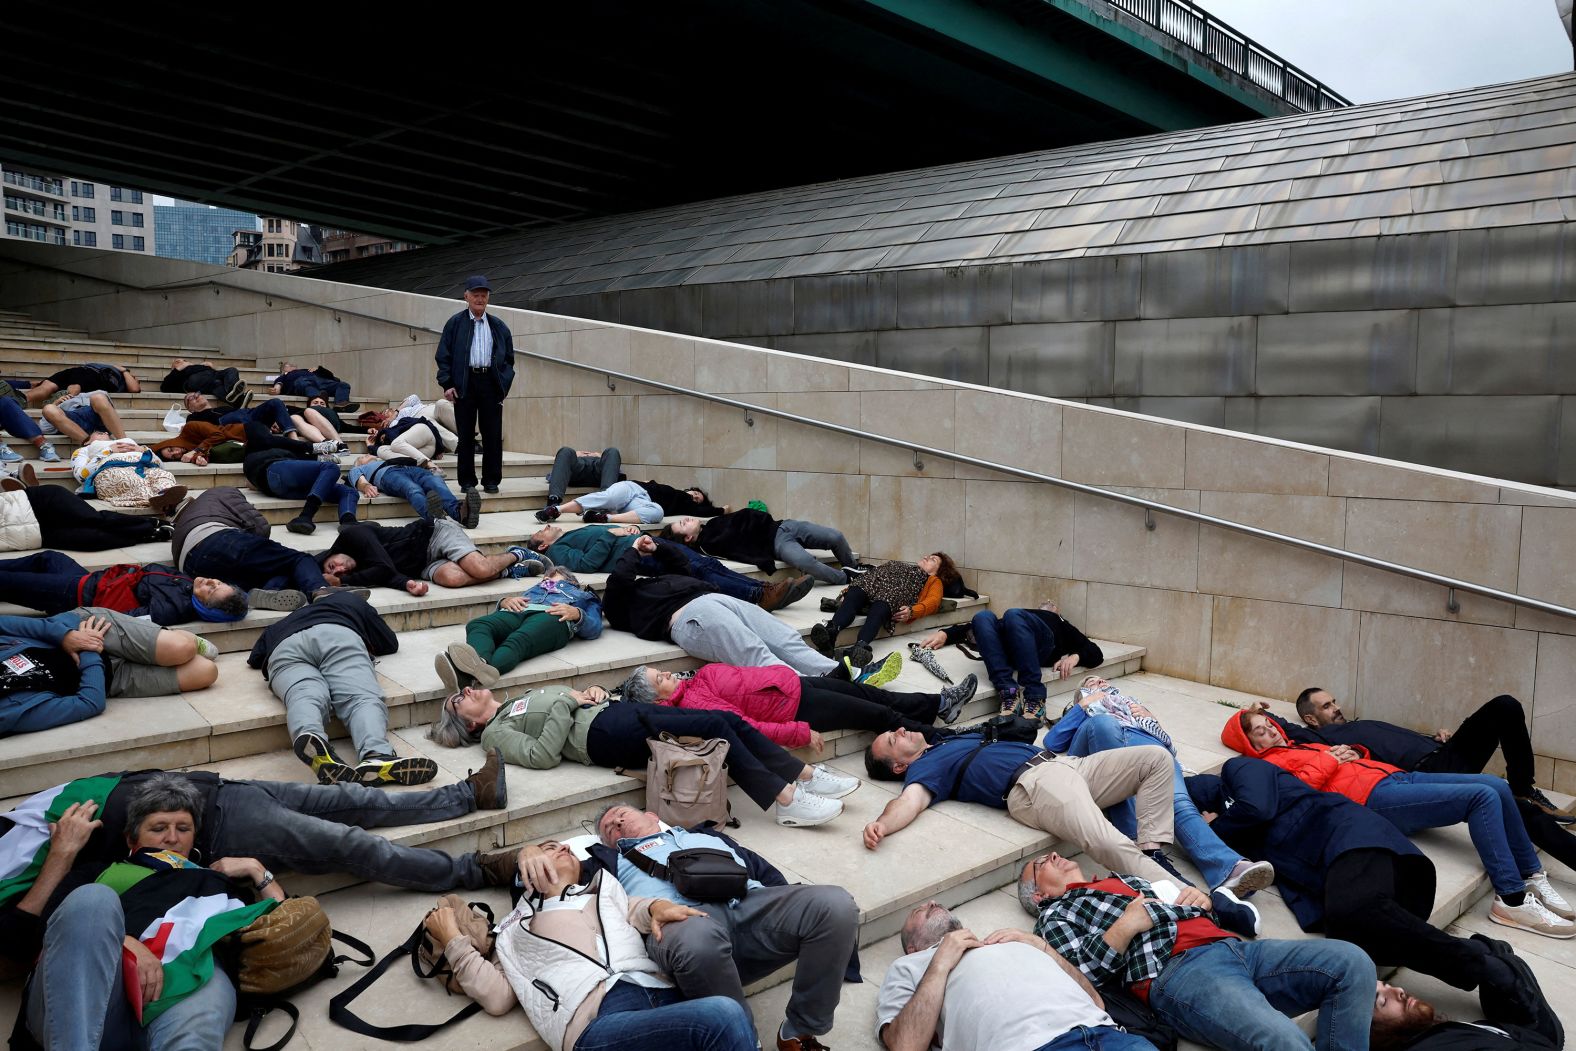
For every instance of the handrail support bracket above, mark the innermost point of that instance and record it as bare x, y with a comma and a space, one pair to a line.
1452, 603
1149, 519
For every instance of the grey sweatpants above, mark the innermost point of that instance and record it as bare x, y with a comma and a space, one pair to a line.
727, 630
814, 925
328, 671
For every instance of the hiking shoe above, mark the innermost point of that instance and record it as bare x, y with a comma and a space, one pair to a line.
1249, 876
1564, 815
861, 654
593, 516
314, 751
1234, 914
823, 639
453, 679
499, 867
435, 509
280, 601
807, 809
304, 526
526, 567
1008, 702
206, 648
953, 698
798, 589
879, 675
773, 595
471, 509
1034, 710
322, 593
1531, 915
828, 783
168, 500
487, 784
1538, 883
46, 452
470, 663
379, 770
925, 657
549, 513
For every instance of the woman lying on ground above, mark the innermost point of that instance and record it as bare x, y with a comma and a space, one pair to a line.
893, 592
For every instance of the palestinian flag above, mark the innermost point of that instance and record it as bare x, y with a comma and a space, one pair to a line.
25, 845
180, 915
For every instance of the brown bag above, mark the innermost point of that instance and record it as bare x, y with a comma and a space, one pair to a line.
284, 947
687, 780
476, 923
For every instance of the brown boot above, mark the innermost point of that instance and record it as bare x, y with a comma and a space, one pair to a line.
168, 500
774, 595
487, 784
499, 867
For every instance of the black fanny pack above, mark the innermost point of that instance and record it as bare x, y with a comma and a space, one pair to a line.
40, 668
698, 873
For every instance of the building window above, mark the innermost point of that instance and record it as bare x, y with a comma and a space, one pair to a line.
76, 237
117, 218
136, 219
76, 214
60, 213
90, 215
115, 193
138, 244
134, 196
89, 239
117, 241
87, 190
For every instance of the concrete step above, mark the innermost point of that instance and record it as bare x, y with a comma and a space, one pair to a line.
29, 357
82, 347
521, 471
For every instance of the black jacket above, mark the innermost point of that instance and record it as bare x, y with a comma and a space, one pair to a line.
1385, 742
1266, 813
343, 608
1067, 638
1462, 1036
644, 605
453, 356
746, 535
385, 556
162, 594
264, 448
678, 501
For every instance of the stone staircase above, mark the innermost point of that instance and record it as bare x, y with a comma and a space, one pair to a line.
958, 854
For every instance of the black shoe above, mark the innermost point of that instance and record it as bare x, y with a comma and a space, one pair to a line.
163, 531
379, 770
1508, 989
549, 513
315, 752
1234, 914
490, 488
435, 508
823, 639
304, 526
860, 655
593, 516
471, 509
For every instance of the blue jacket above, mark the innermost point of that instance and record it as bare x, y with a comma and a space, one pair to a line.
28, 710
589, 626
454, 353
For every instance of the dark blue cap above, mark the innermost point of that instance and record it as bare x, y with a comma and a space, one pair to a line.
476, 281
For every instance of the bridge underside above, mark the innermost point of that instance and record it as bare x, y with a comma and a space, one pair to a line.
535, 114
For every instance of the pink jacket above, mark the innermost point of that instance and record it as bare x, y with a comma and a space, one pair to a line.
766, 698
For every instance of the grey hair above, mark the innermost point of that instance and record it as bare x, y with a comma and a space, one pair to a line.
451, 730
929, 931
163, 793
563, 574
637, 689
600, 814
1028, 892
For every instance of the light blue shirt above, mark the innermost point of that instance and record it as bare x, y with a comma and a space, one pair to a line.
481, 342
638, 884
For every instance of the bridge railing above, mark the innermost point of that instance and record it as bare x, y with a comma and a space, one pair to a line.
1209, 36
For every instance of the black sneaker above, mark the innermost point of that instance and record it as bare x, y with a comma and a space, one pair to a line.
822, 638
549, 513
315, 752
304, 526
1234, 914
379, 770
490, 489
471, 509
853, 573
860, 654
593, 516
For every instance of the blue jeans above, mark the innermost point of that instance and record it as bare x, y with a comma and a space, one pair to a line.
1413, 802
413, 484
1018, 643
633, 1018
250, 561
1097, 1038
704, 567
15, 420
301, 478
620, 497
272, 412
76, 1000
310, 386
46, 581
793, 536
315, 829
1237, 995
1214, 859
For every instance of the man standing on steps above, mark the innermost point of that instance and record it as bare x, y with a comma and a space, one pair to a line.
475, 370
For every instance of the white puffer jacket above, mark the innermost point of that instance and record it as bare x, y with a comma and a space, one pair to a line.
18, 525
528, 958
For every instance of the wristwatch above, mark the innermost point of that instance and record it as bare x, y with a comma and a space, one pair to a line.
268, 877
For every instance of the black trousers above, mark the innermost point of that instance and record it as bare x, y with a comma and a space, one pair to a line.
618, 736
877, 614
570, 468
481, 405
1362, 906
66, 520
836, 704
1501, 724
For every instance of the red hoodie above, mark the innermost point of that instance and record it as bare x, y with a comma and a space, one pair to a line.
1311, 763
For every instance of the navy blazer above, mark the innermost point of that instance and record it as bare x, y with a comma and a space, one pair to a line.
454, 353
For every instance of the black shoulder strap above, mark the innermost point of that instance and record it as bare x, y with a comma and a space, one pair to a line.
957, 782
654, 869
261, 1006
339, 1007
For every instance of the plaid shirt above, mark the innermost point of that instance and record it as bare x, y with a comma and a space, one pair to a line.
1075, 924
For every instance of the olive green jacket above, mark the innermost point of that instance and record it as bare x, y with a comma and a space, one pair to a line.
542, 728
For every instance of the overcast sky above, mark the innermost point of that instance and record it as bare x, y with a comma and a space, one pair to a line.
1372, 50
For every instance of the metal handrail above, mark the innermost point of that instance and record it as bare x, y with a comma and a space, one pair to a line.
1191, 25
750, 410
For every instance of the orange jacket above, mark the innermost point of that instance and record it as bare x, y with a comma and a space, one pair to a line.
1311, 763
929, 600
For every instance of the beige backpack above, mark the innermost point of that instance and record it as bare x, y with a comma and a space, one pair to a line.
687, 780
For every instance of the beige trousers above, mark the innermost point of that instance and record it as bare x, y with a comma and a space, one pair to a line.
1064, 797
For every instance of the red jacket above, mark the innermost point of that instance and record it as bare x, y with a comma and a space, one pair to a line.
766, 698
1312, 763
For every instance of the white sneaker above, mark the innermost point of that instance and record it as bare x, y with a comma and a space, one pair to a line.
1538, 883
807, 809
1530, 915
1249, 876
828, 783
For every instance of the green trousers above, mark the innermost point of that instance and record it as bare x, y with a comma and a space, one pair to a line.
505, 639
